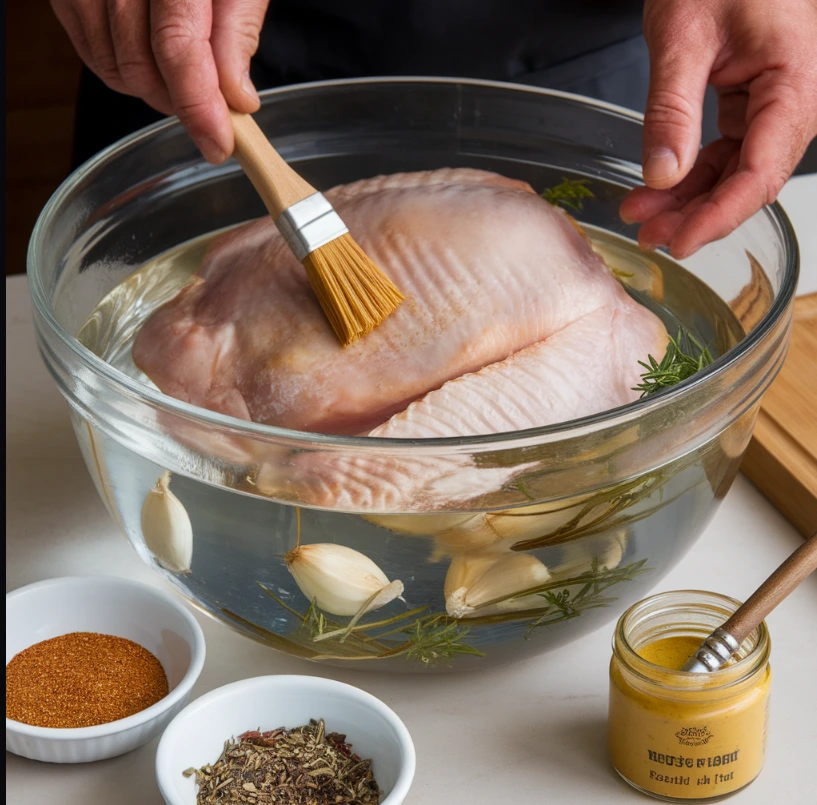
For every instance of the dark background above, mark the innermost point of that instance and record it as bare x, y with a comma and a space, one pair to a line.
42, 79
42, 76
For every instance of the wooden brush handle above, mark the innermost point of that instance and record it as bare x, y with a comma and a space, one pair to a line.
802, 562
277, 184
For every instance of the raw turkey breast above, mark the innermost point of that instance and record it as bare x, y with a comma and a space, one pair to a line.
510, 320
553, 381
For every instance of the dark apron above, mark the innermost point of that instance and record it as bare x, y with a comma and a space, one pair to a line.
589, 47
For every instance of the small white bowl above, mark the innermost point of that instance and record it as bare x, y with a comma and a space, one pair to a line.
113, 606
197, 735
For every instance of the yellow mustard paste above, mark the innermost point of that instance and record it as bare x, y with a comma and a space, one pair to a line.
681, 736
670, 652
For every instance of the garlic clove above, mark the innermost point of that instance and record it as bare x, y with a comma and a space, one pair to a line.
528, 522
455, 534
578, 556
339, 579
496, 531
513, 573
387, 594
473, 534
465, 569
166, 527
485, 578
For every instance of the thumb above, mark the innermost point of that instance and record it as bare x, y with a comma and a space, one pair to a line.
234, 39
679, 71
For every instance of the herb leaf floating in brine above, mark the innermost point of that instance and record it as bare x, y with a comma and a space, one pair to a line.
474, 581
679, 363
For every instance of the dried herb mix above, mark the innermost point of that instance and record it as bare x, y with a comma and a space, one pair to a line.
300, 766
82, 679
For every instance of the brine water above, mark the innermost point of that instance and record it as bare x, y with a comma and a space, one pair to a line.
602, 551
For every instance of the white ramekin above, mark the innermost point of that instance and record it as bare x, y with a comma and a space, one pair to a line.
114, 606
196, 736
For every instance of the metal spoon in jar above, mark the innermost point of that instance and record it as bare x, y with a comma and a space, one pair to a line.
719, 647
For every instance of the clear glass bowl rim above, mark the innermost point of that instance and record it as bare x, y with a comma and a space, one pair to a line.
571, 429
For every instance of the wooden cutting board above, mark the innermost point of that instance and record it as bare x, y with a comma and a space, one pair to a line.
781, 459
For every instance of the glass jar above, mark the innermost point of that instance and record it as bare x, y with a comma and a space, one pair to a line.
680, 736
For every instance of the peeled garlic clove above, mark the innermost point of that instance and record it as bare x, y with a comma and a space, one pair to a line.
453, 533
166, 527
578, 556
474, 534
465, 569
340, 580
612, 555
528, 522
513, 573
486, 578
496, 530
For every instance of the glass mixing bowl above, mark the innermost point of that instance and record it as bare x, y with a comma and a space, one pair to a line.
541, 535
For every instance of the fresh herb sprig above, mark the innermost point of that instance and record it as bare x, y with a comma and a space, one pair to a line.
429, 638
569, 603
435, 639
568, 193
598, 514
563, 599
685, 356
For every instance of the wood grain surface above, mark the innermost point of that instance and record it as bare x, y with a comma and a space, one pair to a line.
781, 459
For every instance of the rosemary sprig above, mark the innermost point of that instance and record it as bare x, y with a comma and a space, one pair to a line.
679, 363
436, 639
315, 626
568, 193
267, 637
429, 638
433, 640
343, 633
567, 603
597, 514
597, 572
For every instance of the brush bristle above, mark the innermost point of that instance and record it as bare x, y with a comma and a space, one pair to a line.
356, 296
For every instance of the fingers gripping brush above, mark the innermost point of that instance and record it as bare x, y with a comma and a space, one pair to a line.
355, 295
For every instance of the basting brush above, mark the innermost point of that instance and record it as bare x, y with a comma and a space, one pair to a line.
355, 295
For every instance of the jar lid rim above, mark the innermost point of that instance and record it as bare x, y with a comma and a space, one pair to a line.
755, 660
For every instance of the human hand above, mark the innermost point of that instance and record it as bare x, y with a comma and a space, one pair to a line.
190, 58
762, 58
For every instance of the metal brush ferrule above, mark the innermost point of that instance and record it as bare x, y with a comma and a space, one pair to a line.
310, 224
713, 654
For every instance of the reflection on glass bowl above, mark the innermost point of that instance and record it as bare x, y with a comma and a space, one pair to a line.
578, 521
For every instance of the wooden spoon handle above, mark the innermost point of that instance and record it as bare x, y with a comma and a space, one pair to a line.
278, 185
802, 562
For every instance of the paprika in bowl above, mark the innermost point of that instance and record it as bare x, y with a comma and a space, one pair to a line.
130, 624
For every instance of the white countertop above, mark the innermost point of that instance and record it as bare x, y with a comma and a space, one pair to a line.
532, 732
